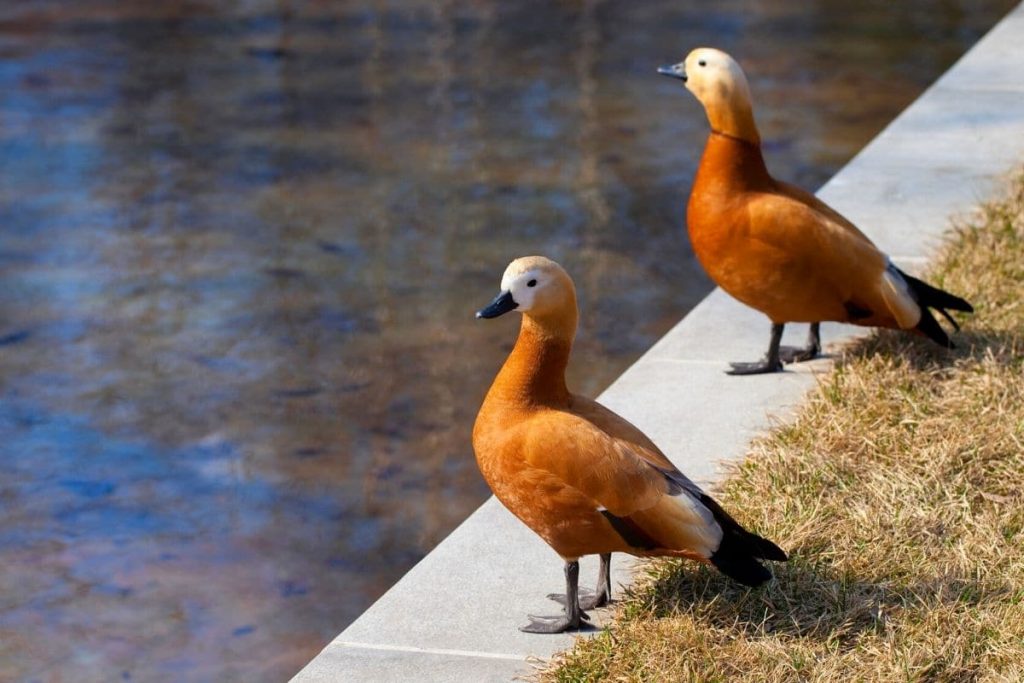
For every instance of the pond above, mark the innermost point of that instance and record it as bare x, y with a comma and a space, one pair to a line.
241, 244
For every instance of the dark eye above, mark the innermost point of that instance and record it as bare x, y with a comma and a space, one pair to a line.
702, 63
531, 283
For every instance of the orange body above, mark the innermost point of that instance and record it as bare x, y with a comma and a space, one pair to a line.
779, 249
555, 460
584, 479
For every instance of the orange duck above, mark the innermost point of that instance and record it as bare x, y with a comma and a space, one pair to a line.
779, 249
583, 478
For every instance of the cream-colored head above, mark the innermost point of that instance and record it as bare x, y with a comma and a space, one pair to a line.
539, 288
718, 82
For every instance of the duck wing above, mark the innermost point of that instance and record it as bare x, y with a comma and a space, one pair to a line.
601, 455
642, 494
652, 506
811, 233
825, 211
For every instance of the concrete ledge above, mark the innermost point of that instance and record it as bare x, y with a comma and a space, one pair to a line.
455, 615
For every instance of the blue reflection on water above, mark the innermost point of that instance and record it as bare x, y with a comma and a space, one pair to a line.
240, 250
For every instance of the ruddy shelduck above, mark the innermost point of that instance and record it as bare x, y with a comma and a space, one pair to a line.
583, 478
779, 249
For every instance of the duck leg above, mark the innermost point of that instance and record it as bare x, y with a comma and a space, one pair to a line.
593, 599
795, 354
770, 363
573, 618
603, 595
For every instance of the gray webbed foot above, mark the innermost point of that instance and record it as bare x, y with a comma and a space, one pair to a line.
559, 624
588, 599
574, 618
761, 367
796, 354
770, 362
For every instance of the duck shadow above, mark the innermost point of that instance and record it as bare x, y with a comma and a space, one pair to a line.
976, 344
806, 601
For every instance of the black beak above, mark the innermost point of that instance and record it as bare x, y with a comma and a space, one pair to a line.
503, 303
674, 71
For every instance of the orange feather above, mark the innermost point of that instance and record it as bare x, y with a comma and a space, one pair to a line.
775, 247
583, 478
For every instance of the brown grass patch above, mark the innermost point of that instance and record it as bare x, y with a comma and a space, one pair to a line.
899, 493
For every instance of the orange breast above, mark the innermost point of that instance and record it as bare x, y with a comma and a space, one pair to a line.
774, 262
567, 520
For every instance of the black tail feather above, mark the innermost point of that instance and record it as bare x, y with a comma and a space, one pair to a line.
766, 549
927, 297
933, 297
736, 562
930, 327
738, 553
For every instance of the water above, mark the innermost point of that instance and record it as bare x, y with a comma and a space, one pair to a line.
241, 248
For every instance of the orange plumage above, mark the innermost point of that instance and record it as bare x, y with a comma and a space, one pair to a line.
777, 248
583, 478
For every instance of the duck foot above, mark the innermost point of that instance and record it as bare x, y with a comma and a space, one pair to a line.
574, 618
770, 362
589, 599
761, 367
559, 624
796, 354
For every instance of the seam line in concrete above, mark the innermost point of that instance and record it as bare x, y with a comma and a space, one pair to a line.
429, 650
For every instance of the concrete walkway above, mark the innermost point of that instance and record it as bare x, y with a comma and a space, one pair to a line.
455, 615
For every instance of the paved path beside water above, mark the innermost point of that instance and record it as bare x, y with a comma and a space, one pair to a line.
455, 615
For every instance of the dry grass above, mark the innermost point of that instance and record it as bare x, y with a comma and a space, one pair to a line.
899, 492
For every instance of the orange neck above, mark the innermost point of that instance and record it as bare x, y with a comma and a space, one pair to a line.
732, 162
534, 373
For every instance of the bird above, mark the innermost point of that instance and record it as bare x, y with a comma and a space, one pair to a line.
779, 249
581, 477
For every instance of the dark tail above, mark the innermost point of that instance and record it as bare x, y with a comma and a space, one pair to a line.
738, 554
933, 297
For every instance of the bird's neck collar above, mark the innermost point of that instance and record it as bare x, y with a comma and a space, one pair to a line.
736, 138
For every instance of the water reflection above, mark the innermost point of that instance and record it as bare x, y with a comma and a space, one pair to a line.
241, 247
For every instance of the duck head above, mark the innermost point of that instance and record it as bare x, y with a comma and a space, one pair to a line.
541, 290
718, 82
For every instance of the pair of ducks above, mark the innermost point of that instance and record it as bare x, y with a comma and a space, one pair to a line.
589, 482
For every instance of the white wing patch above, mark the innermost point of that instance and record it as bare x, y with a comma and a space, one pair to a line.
689, 501
898, 298
710, 532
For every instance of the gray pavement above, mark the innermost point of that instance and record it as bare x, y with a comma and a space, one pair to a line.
455, 615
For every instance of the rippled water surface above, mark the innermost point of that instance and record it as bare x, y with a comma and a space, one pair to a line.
240, 248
